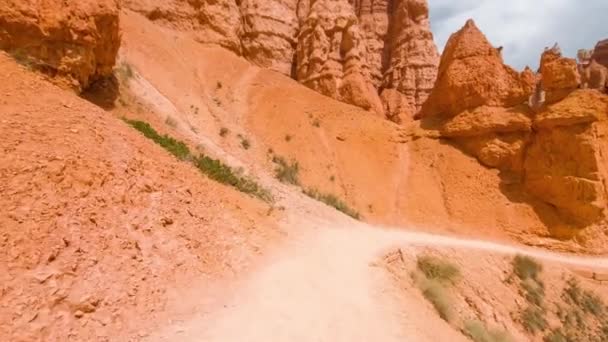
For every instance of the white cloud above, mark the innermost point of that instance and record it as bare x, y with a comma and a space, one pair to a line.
525, 27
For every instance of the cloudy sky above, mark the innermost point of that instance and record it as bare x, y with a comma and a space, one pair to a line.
525, 27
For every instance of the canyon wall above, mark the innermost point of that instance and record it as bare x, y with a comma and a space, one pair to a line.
348, 50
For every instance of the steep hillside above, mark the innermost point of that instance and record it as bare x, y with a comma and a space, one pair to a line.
99, 224
389, 174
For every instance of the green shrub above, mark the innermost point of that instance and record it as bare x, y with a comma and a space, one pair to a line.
533, 319
588, 301
526, 267
286, 172
175, 147
212, 168
223, 173
437, 269
478, 332
332, 201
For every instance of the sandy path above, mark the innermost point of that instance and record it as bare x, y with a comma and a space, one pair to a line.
323, 286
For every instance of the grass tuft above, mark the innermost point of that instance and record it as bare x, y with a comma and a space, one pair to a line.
175, 147
526, 267
332, 201
437, 269
223, 173
212, 168
286, 172
533, 319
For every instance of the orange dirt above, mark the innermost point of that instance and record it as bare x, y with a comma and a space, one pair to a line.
98, 223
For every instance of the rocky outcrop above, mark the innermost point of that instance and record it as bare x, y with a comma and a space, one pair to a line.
565, 161
374, 19
269, 33
213, 22
594, 76
472, 74
539, 130
413, 63
600, 52
349, 50
77, 44
560, 75
329, 55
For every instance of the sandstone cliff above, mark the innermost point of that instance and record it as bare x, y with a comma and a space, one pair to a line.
329, 55
78, 43
554, 150
412, 67
347, 50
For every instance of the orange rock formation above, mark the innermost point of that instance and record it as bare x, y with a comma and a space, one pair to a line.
77, 43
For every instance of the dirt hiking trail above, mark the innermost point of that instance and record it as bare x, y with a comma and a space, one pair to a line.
326, 285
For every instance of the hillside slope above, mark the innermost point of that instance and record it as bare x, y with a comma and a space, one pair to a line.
100, 224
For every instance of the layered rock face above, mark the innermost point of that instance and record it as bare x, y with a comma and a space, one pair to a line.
78, 43
472, 74
600, 52
269, 33
329, 55
348, 51
555, 149
412, 67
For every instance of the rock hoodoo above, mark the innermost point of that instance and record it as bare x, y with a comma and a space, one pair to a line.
600, 52
77, 44
350, 50
540, 129
472, 74
413, 62
329, 55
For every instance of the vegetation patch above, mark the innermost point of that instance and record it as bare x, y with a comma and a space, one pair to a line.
223, 173
526, 268
533, 319
173, 146
212, 168
587, 301
332, 201
433, 277
286, 172
437, 269
478, 332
